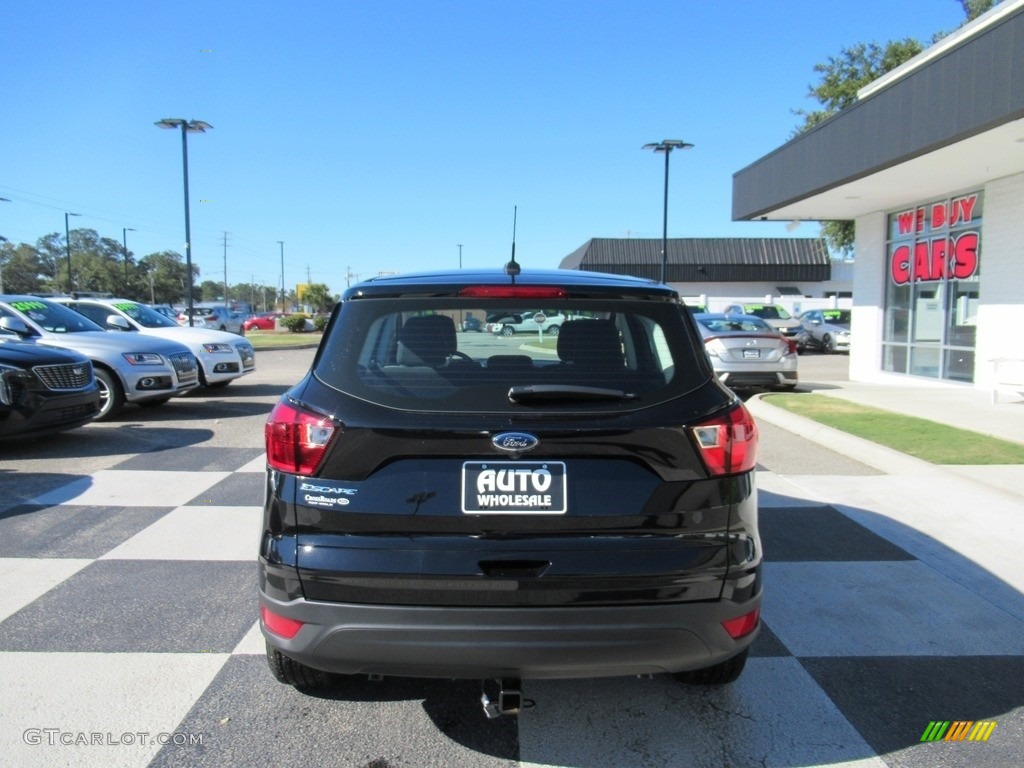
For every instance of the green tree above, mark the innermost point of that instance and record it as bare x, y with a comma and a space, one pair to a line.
211, 290
318, 296
21, 269
97, 263
165, 277
842, 76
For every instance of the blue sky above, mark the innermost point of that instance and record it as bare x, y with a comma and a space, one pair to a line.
374, 136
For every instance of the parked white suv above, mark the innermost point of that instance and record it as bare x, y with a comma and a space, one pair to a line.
223, 357
128, 368
526, 322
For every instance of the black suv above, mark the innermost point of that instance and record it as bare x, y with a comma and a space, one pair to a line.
577, 506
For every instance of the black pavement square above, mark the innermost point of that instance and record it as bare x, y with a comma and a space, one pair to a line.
891, 700
81, 532
237, 489
153, 606
192, 458
817, 534
767, 643
245, 715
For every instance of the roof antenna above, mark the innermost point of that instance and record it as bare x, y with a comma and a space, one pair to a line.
512, 268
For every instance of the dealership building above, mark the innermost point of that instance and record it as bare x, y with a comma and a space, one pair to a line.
929, 164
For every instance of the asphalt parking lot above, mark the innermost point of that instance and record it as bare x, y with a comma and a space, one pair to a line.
128, 636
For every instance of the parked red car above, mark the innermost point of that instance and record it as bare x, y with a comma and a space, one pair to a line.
265, 321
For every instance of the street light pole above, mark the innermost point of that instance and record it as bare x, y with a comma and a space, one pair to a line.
460, 255
124, 242
67, 245
283, 307
186, 126
2, 240
666, 146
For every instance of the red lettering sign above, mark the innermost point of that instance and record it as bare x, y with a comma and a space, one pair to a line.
906, 222
936, 259
965, 255
899, 265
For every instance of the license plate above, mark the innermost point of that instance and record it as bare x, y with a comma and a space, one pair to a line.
749, 354
513, 488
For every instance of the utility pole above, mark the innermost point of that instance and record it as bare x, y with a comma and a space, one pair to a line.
226, 304
284, 308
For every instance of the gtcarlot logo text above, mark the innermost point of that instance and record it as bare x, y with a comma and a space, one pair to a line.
54, 737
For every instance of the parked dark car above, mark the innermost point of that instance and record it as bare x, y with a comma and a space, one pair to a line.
44, 390
530, 515
472, 323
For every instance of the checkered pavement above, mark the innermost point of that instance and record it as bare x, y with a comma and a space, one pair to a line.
128, 612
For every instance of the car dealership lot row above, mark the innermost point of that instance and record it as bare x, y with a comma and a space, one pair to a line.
129, 619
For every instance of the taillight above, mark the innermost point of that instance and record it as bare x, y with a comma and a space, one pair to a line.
514, 291
728, 442
280, 625
296, 439
743, 625
791, 343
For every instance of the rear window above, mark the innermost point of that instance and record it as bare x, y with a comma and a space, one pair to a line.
749, 324
407, 353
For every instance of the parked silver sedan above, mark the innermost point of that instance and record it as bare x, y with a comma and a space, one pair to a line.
827, 329
747, 352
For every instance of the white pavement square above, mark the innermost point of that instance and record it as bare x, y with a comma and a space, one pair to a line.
196, 533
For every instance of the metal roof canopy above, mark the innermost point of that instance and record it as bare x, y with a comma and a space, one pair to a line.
946, 121
724, 259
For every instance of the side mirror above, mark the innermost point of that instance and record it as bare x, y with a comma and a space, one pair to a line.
117, 322
16, 326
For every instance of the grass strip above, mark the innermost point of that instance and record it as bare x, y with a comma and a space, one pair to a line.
265, 339
928, 440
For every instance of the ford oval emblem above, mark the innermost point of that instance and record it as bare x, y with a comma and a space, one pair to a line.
515, 442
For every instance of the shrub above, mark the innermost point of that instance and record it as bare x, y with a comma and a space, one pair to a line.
295, 323
320, 322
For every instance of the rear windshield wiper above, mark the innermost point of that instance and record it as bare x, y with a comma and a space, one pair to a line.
533, 393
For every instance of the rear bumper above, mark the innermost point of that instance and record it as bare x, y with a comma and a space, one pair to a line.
535, 643
756, 378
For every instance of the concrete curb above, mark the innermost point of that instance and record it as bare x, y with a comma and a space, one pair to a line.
866, 452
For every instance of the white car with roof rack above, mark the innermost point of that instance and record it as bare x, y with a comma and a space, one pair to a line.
223, 357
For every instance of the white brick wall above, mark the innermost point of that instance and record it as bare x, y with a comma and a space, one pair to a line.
868, 298
1001, 306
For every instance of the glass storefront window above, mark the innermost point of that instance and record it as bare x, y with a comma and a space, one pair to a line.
931, 295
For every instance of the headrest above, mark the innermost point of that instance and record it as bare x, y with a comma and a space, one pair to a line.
426, 340
590, 343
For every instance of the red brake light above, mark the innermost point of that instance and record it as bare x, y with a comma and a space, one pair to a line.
296, 439
728, 442
514, 291
280, 625
743, 625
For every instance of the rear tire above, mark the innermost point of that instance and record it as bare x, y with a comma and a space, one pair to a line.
722, 673
288, 671
111, 395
